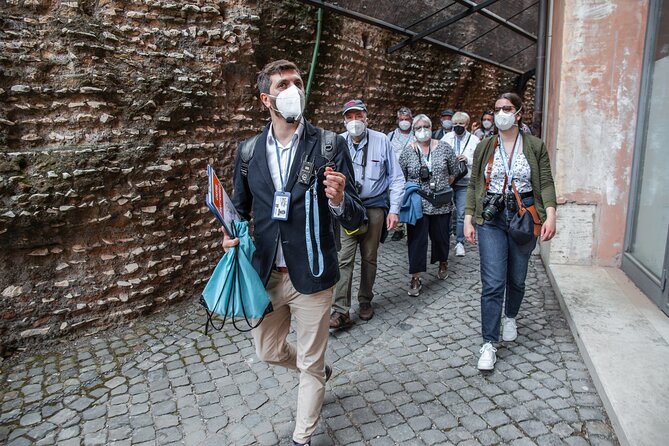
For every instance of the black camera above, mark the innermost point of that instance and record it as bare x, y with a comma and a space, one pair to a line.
511, 204
358, 187
492, 205
424, 173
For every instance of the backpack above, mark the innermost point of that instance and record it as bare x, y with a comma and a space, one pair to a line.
247, 147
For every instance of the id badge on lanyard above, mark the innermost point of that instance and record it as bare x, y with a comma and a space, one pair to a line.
281, 205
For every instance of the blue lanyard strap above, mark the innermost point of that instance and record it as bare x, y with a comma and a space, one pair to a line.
284, 179
309, 196
508, 166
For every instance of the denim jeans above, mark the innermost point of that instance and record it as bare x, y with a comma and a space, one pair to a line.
503, 270
459, 197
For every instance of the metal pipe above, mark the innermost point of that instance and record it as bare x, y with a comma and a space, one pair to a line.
541, 69
501, 20
380, 23
314, 56
441, 25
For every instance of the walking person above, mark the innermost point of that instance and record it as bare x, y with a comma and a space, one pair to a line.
401, 137
446, 120
464, 144
486, 128
511, 160
295, 254
430, 164
378, 177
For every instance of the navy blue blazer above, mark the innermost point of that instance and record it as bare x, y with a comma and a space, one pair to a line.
254, 196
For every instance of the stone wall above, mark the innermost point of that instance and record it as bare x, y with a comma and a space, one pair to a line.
110, 111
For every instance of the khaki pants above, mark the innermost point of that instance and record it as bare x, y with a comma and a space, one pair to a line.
369, 248
311, 312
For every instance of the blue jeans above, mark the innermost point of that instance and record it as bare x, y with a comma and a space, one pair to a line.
503, 270
459, 198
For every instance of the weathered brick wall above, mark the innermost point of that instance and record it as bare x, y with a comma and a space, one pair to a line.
110, 111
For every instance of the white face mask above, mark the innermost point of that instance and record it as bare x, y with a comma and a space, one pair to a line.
505, 120
356, 128
487, 125
290, 103
423, 135
447, 124
405, 125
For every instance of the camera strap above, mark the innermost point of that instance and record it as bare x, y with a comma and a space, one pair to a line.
510, 163
365, 149
421, 156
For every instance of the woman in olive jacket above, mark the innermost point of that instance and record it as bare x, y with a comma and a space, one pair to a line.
521, 159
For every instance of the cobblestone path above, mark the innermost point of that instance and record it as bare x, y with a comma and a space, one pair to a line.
406, 377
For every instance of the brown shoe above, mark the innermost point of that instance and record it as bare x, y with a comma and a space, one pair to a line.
443, 270
340, 320
415, 286
366, 311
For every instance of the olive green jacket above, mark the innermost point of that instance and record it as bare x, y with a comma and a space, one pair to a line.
543, 187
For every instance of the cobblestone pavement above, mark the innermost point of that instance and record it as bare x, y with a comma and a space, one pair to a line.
408, 376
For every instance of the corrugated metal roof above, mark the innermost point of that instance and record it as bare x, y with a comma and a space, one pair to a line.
503, 32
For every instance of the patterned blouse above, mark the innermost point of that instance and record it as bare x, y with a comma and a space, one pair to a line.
522, 175
442, 159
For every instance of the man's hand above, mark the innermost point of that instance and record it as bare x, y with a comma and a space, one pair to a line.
391, 221
334, 182
227, 241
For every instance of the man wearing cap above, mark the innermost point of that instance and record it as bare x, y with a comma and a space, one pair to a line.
378, 180
401, 137
446, 124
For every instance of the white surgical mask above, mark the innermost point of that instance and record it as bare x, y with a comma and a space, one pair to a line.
290, 103
487, 125
405, 125
356, 128
505, 120
447, 124
423, 135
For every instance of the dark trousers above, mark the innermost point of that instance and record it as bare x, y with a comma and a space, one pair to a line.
504, 266
438, 228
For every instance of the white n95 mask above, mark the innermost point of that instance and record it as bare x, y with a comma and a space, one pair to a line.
405, 125
355, 128
505, 120
423, 135
290, 103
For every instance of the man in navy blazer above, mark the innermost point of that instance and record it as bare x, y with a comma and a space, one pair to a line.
293, 192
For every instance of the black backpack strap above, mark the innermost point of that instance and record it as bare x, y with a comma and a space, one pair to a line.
328, 148
246, 149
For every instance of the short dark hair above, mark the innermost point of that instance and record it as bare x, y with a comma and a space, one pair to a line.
487, 112
272, 68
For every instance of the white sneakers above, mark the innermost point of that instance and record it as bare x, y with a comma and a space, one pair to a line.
488, 357
459, 250
509, 329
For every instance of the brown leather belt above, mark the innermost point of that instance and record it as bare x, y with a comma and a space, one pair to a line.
281, 269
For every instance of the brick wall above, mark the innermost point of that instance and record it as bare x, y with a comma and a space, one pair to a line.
110, 111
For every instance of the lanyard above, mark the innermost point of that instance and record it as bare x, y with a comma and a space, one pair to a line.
312, 196
284, 179
458, 146
355, 152
509, 164
421, 156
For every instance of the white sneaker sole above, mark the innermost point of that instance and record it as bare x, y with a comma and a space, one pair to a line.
509, 338
487, 367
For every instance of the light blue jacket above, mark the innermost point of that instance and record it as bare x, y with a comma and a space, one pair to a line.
412, 207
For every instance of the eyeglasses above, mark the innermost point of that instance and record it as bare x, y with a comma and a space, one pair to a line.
422, 127
505, 108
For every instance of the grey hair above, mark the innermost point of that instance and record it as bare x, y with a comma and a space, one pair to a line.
421, 117
461, 115
404, 111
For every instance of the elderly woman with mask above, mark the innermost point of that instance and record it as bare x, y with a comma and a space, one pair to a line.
430, 164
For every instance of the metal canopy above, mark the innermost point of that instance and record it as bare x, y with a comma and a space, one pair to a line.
497, 32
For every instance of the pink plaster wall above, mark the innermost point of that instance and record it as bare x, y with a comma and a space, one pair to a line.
593, 95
